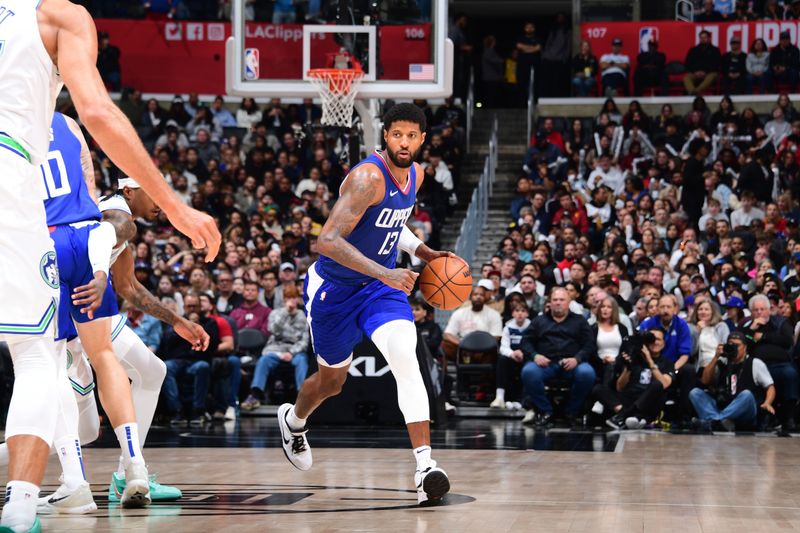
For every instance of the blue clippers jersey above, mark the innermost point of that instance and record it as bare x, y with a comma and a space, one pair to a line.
68, 199
377, 232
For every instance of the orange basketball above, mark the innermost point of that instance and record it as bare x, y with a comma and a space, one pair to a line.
446, 282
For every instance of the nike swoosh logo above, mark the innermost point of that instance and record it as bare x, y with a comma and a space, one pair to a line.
393, 193
56, 500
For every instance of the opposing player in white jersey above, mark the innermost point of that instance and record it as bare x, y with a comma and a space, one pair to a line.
40, 41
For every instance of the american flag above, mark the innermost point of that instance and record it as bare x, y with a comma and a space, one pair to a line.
420, 72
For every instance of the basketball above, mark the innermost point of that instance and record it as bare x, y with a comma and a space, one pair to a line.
446, 282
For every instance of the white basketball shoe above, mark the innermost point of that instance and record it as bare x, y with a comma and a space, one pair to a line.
68, 501
432, 483
295, 444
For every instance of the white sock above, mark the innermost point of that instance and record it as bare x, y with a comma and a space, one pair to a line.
501, 394
128, 437
69, 453
423, 457
295, 422
19, 511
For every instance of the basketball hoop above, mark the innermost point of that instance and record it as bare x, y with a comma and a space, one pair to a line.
338, 88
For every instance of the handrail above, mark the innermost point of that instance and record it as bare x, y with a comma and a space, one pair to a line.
477, 211
531, 106
470, 105
684, 11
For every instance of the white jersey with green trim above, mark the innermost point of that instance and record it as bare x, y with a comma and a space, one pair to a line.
29, 81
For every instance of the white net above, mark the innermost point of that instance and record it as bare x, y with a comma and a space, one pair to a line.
338, 89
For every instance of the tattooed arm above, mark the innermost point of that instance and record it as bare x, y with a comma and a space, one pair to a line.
127, 286
123, 224
363, 188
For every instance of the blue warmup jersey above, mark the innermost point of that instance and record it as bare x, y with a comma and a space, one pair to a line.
71, 215
343, 305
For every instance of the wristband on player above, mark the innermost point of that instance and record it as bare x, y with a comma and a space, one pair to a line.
408, 242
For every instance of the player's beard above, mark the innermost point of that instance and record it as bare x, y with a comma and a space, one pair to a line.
400, 163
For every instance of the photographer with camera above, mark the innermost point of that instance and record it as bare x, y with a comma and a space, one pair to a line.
738, 385
677, 348
640, 389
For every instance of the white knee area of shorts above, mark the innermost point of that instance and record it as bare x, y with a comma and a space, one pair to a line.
397, 341
145, 370
32, 410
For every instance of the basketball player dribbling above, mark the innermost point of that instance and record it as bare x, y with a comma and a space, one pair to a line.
42, 43
354, 289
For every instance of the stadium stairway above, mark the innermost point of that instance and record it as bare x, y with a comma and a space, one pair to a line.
512, 128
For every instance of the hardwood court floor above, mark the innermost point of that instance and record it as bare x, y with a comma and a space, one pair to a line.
654, 482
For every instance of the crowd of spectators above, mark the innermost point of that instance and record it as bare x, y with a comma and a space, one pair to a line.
269, 174
686, 227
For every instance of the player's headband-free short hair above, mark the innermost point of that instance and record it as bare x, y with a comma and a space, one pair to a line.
404, 113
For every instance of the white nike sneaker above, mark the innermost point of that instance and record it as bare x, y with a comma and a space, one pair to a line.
295, 444
137, 487
497, 403
66, 501
432, 484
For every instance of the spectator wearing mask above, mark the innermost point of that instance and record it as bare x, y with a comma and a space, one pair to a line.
182, 360
703, 62
738, 385
771, 339
557, 344
252, 314
509, 364
640, 391
288, 344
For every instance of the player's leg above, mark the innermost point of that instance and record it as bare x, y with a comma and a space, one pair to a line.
388, 321
74, 496
146, 372
115, 395
28, 298
331, 312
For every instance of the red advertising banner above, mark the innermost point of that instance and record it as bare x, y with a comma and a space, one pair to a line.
181, 57
675, 38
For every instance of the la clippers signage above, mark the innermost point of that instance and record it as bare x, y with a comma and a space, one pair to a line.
675, 38
183, 56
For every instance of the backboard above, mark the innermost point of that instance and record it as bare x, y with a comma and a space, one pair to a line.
401, 45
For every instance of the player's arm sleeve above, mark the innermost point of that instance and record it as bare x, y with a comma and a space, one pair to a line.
86, 157
101, 241
408, 242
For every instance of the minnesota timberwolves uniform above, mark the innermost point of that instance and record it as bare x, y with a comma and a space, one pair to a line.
341, 304
71, 216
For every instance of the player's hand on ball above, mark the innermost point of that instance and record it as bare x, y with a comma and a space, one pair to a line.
193, 333
429, 255
200, 227
91, 294
401, 279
